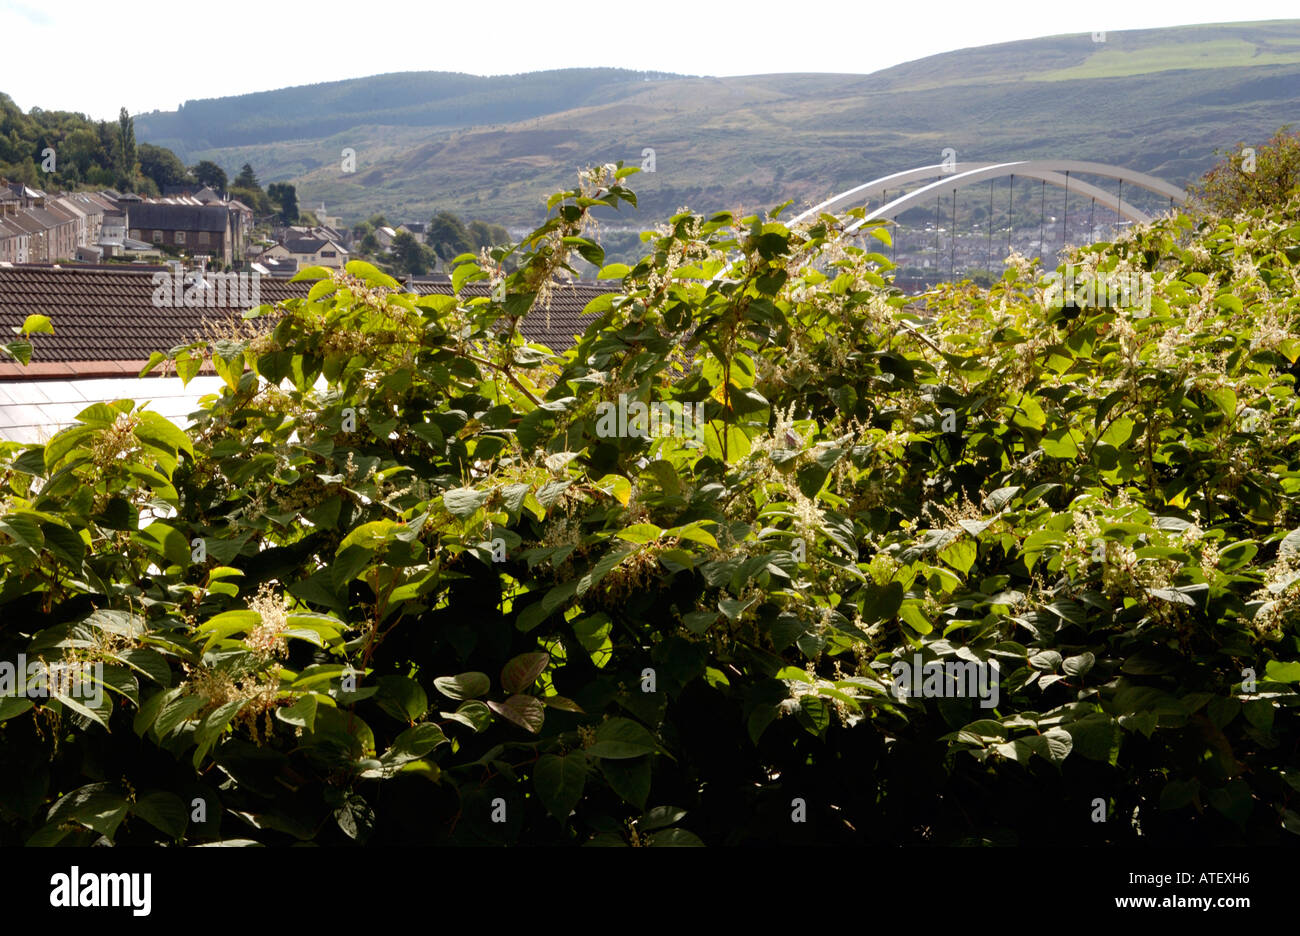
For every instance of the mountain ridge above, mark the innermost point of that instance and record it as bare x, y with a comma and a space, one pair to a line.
1157, 100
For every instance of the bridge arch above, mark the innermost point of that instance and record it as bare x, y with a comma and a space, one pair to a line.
1056, 172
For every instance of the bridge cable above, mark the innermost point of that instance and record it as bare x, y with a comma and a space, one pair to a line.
1042, 217
952, 256
894, 239
1011, 188
989, 262
1066, 216
938, 207
1091, 211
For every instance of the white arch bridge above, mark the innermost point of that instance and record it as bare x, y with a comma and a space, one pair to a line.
944, 178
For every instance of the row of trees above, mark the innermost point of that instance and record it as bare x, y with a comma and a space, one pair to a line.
447, 238
59, 149
62, 150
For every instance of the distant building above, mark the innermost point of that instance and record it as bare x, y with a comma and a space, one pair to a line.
270, 266
308, 251
204, 229
14, 243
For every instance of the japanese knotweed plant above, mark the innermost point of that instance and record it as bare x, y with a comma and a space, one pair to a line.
398, 584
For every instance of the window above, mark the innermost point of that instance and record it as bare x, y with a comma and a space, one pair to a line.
203, 238
328, 253
157, 237
180, 237
135, 233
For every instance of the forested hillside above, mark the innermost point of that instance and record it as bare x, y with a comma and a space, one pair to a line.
1159, 100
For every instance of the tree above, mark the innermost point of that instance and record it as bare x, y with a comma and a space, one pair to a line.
247, 178
448, 237
481, 234
126, 150
210, 174
254, 198
163, 166
285, 196
409, 255
1249, 178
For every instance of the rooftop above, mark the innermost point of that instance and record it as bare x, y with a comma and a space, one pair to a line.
105, 320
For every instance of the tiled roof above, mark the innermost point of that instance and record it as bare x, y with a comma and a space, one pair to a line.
104, 315
46, 219
26, 222
177, 217
304, 245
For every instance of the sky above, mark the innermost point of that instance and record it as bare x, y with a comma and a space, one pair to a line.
213, 50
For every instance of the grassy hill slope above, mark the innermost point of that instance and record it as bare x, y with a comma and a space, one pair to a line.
1157, 100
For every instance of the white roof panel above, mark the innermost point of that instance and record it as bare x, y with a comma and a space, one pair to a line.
33, 411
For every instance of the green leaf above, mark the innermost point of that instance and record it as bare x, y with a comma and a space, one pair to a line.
1059, 443
960, 555
23, 530
372, 275
910, 613
301, 714
164, 811
37, 325
159, 431
622, 738
419, 740
523, 710
629, 779
462, 502
1224, 399
1279, 671
1118, 432
402, 697
1289, 548
94, 806
166, 541
1028, 413
11, 706
675, 838
178, 710
559, 782
522, 671
19, 350
640, 533
469, 685
472, 714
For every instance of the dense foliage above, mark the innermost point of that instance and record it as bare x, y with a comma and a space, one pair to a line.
61, 150
1251, 177
397, 585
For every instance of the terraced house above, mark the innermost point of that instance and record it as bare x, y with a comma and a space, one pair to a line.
194, 229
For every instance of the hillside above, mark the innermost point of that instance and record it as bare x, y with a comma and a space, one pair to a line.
1160, 100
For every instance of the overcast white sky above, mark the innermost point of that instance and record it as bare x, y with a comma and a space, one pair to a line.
94, 57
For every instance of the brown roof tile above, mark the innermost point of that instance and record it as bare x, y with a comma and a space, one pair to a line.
105, 315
